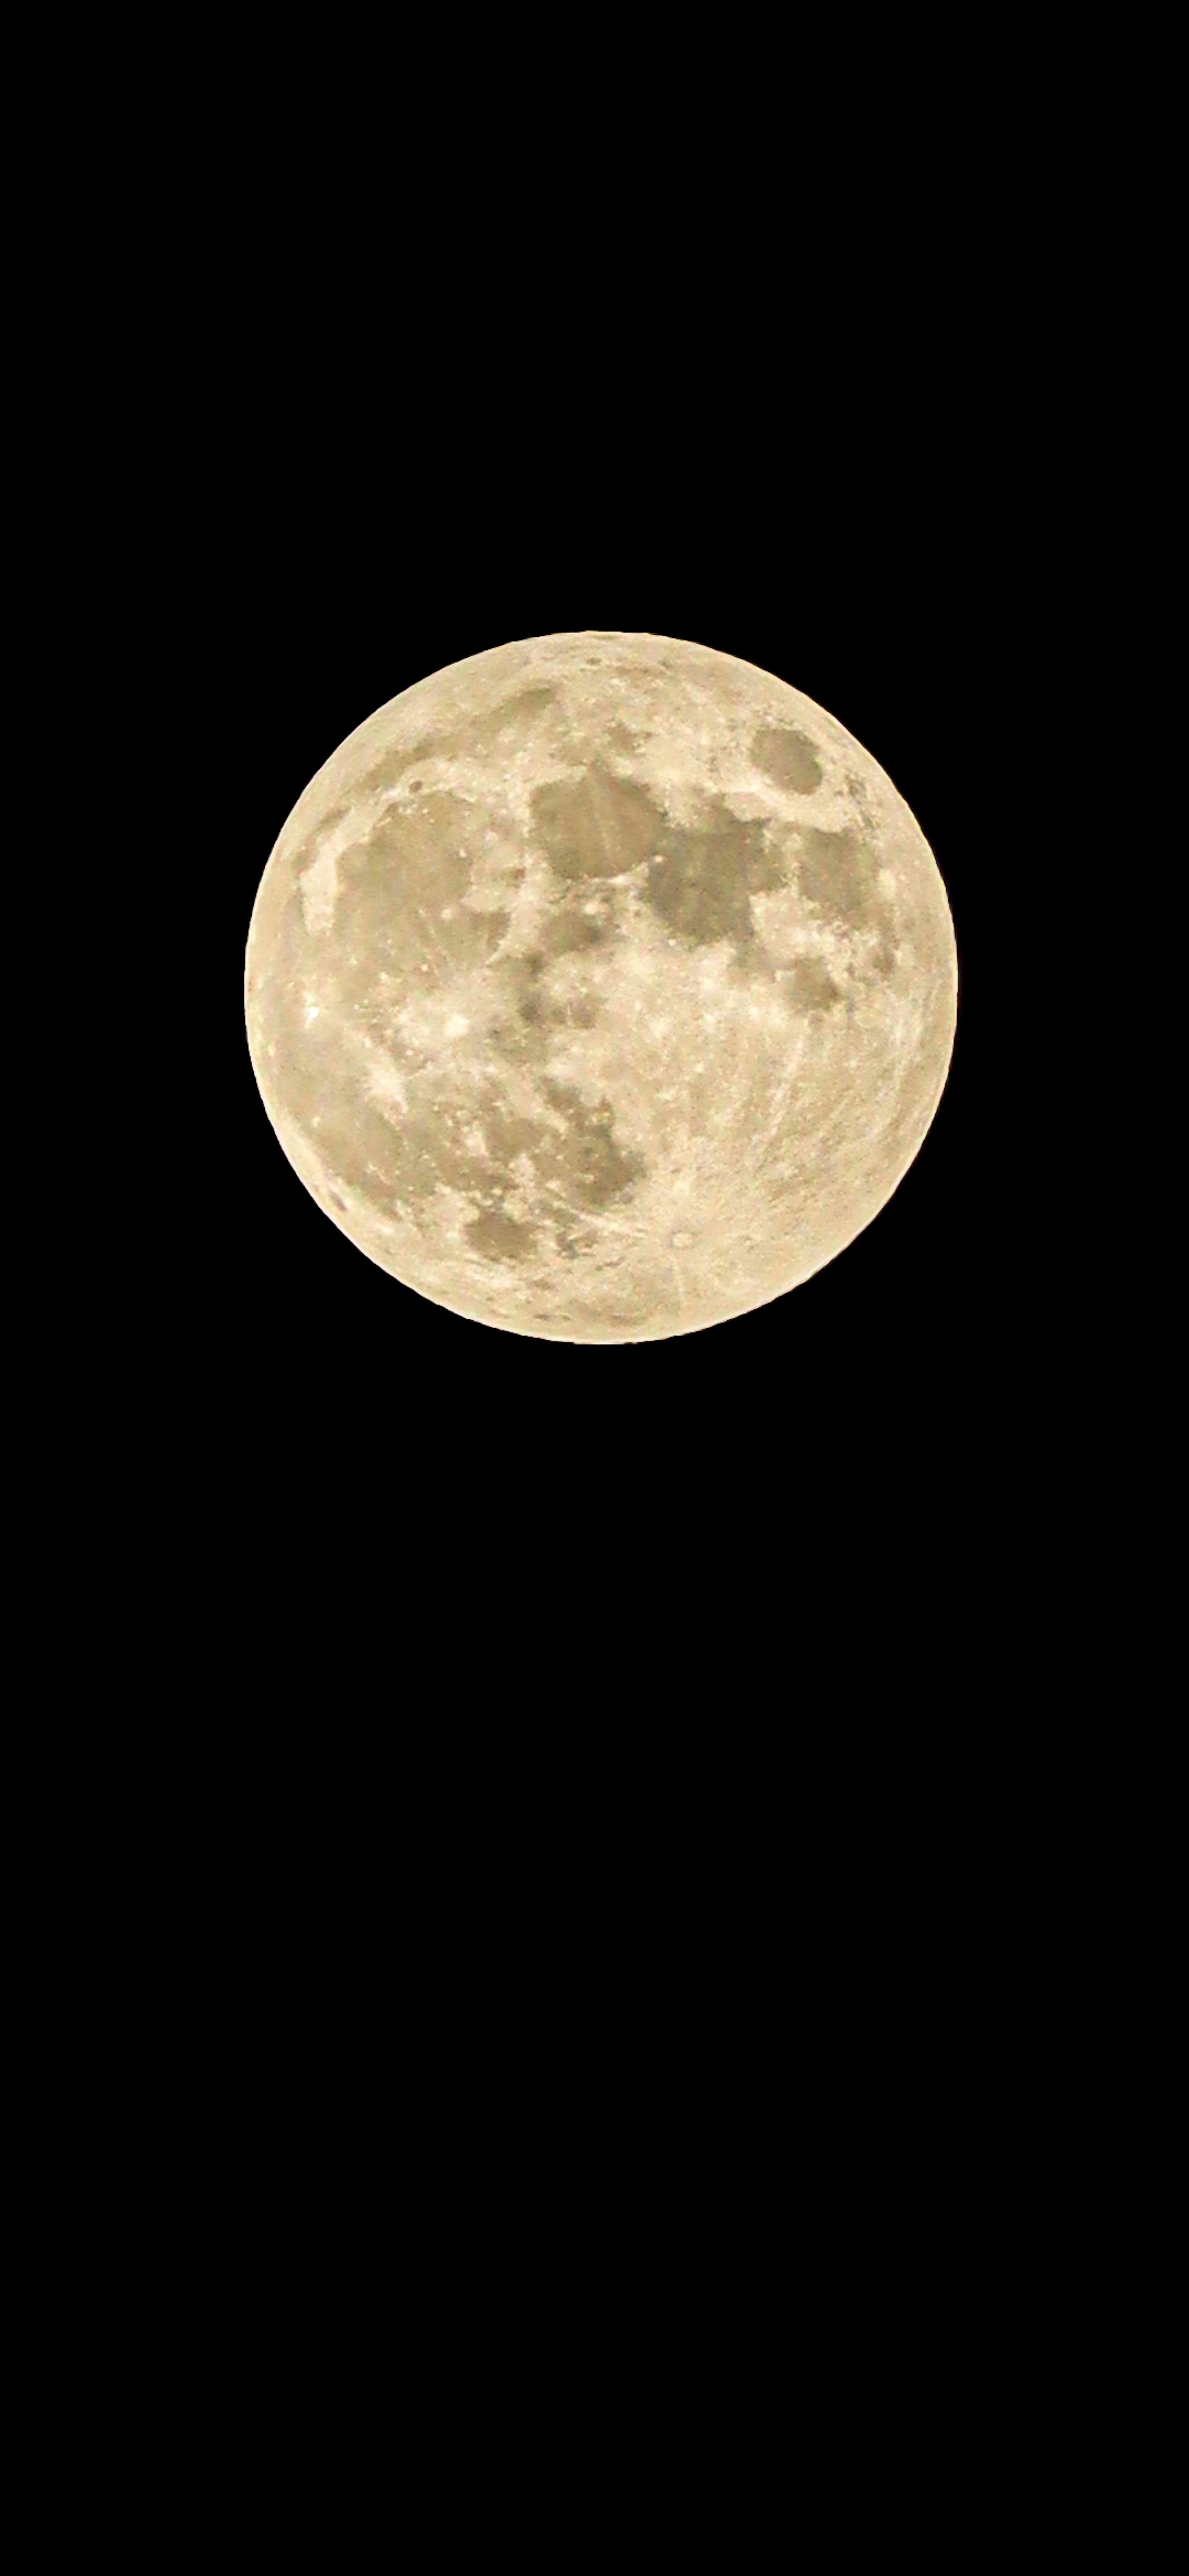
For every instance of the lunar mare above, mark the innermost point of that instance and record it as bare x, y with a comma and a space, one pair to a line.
601, 987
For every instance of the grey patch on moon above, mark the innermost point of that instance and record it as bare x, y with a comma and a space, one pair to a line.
596, 825
570, 1044
837, 871
597, 1169
787, 759
809, 986
701, 882
497, 1237
507, 727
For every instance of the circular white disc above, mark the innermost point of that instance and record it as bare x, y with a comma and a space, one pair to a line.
601, 987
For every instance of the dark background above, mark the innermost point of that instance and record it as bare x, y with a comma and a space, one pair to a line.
390, 409
686, 1737
826, 458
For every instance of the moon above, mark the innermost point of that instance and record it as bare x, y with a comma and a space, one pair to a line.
601, 987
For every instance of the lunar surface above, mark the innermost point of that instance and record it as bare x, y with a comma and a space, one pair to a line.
601, 987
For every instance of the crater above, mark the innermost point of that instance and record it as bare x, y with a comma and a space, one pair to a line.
787, 759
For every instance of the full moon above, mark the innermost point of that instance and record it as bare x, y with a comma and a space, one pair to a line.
601, 987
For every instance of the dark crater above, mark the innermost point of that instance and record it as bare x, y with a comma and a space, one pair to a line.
787, 759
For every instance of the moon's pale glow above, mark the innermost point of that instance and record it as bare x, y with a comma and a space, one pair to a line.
601, 987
